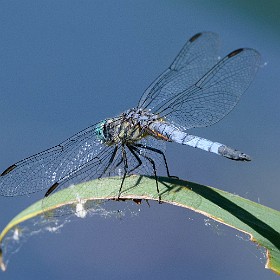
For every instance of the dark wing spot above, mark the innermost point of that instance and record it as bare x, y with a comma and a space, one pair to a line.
8, 170
234, 53
51, 189
195, 37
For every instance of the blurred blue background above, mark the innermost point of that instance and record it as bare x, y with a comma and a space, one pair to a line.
68, 64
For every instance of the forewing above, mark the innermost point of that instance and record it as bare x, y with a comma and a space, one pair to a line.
215, 94
109, 161
41, 170
197, 56
112, 161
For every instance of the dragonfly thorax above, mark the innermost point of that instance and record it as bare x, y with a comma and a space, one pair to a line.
129, 127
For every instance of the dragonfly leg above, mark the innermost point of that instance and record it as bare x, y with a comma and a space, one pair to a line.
133, 151
153, 165
110, 161
119, 163
125, 169
159, 152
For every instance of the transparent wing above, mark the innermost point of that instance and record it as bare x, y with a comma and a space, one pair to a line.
197, 56
110, 161
215, 94
41, 170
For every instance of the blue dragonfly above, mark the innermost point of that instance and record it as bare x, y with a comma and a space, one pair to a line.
197, 90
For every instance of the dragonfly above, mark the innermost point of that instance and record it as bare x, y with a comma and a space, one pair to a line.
197, 90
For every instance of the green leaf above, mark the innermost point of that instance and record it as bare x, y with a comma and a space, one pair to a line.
260, 222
